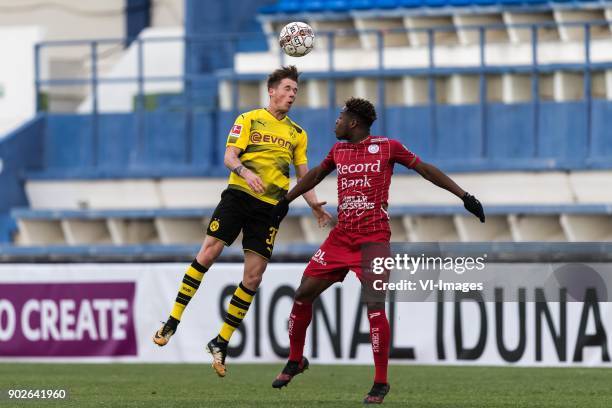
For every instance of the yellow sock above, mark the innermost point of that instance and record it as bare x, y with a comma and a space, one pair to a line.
189, 286
236, 311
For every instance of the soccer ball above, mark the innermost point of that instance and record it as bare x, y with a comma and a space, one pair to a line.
296, 39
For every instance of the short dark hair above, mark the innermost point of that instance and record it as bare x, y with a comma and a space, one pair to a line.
278, 75
362, 109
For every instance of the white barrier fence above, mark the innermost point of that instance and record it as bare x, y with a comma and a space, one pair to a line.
109, 312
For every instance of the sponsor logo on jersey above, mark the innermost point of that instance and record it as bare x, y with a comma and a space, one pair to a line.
358, 182
358, 168
355, 205
379, 139
318, 257
236, 129
373, 148
257, 137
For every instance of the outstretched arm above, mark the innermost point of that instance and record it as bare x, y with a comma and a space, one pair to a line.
434, 175
322, 216
439, 178
306, 183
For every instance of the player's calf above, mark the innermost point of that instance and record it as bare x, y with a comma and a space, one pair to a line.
292, 368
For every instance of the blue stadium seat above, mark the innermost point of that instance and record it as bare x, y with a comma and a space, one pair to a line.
436, 3
362, 4
289, 6
485, 2
313, 5
270, 9
387, 4
295, 6
411, 3
513, 2
337, 5
461, 3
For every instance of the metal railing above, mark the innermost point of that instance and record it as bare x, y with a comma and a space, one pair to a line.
231, 42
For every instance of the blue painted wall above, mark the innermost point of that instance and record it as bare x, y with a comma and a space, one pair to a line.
182, 143
137, 17
20, 152
207, 54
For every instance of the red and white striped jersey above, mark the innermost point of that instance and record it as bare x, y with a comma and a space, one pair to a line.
364, 176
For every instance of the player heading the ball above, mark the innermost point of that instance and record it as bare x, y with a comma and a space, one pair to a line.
261, 146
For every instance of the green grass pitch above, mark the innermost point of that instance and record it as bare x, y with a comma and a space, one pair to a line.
195, 385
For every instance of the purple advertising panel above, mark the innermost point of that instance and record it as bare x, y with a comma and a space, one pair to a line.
67, 319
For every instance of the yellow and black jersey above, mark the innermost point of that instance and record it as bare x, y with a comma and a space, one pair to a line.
268, 147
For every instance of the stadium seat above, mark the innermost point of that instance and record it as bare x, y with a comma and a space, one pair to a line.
411, 3
270, 9
461, 3
362, 4
313, 5
387, 4
436, 3
296, 6
484, 2
336, 5
289, 6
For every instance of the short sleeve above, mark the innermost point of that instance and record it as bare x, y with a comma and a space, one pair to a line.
329, 163
299, 153
401, 154
239, 133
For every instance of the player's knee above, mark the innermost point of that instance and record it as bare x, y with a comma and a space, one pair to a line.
304, 295
372, 306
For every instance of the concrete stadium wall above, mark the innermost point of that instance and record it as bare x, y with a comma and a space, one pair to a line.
503, 188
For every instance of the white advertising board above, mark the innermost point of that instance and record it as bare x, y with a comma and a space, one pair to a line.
109, 312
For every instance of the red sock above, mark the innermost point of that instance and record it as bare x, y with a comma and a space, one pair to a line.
379, 336
299, 319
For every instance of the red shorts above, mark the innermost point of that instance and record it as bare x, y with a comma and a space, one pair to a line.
340, 253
